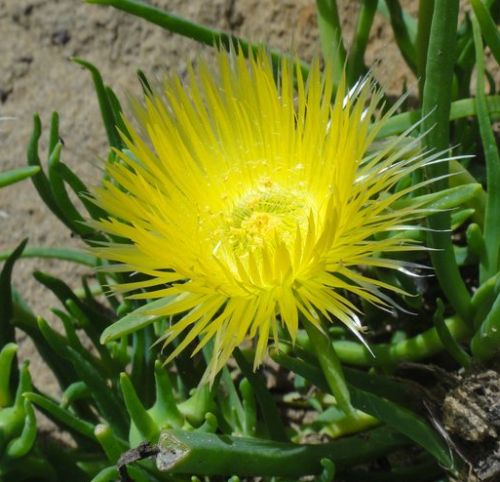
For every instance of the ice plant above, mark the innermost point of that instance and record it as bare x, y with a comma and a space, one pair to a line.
251, 202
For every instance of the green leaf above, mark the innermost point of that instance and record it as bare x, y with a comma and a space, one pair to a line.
74, 219
356, 65
16, 175
109, 405
61, 415
6, 310
490, 263
105, 105
486, 342
405, 422
451, 345
436, 106
270, 413
65, 293
488, 27
186, 452
401, 34
21, 445
39, 179
26, 321
330, 33
65, 254
138, 319
459, 109
7, 355
181, 26
444, 199
395, 416
141, 419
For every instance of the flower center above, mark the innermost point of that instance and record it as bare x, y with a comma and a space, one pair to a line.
266, 215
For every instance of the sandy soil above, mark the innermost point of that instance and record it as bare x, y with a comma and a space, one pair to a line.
36, 75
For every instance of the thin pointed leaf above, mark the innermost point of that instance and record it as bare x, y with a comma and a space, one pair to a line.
16, 175
270, 413
7, 334
138, 319
200, 33
107, 114
62, 416
107, 401
488, 27
395, 416
65, 254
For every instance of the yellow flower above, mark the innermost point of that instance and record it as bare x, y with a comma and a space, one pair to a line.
252, 203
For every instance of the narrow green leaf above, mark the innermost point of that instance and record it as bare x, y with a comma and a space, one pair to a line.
65, 293
146, 86
61, 415
65, 254
39, 179
395, 416
20, 446
81, 190
410, 22
140, 417
449, 198
486, 342
7, 356
105, 106
425, 9
7, 334
249, 408
108, 474
401, 34
16, 175
166, 404
134, 321
356, 65
181, 26
330, 33
435, 121
76, 391
57, 286
110, 407
447, 340
111, 444
117, 111
459, 109
54, 132
417, 348
331, 367
270, 413
26, 321
490, 265
72, 216
488, 27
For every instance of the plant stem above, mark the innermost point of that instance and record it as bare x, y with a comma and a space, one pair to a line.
417, 348
331, 366
435, 113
